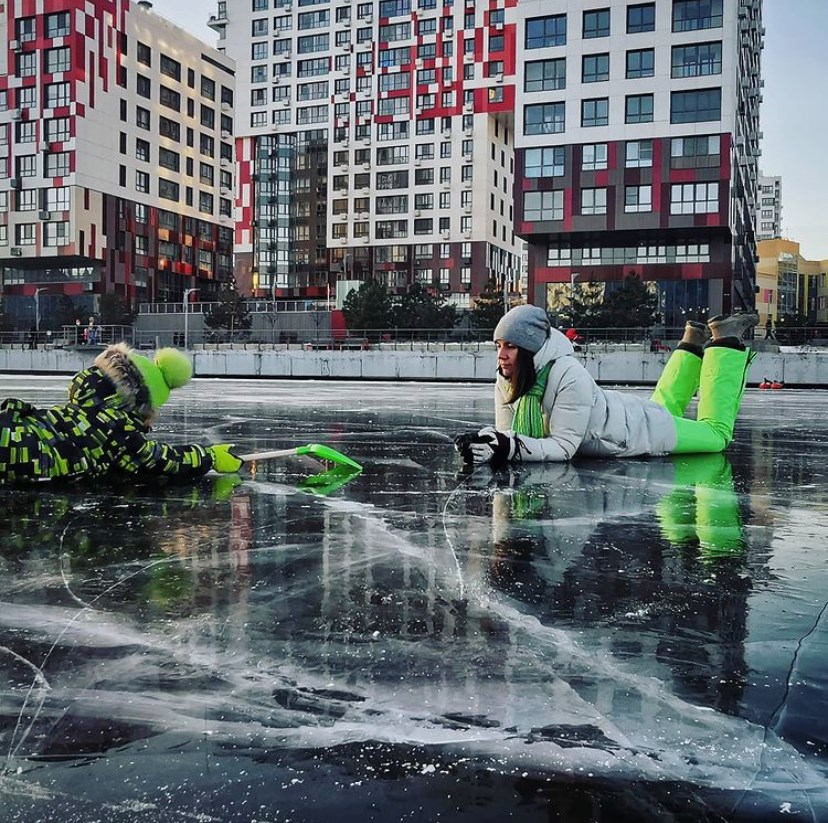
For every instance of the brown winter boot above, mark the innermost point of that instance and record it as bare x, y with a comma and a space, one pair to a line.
695, 336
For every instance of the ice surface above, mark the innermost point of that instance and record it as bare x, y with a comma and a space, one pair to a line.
629, 640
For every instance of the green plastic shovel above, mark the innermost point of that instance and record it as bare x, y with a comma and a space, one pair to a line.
313, 449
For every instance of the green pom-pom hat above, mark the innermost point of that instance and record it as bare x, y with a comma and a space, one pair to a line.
170, 369
142, 384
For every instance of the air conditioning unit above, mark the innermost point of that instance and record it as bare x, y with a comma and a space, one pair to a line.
16, 114
226, 192
345, 23
16, 251
44, 215
468, 107
499, 77
343, 215
467, 235
43, 145
225, 135
417, 161
446, 132
226, 107
366, 165
15, 182
467, 209
225, 163
446, 235
416, 212
15, 45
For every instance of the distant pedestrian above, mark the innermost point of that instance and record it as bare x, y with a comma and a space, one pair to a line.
33, 337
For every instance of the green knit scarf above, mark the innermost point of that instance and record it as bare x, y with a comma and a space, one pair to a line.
528, 417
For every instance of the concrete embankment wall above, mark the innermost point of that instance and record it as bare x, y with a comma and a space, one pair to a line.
796, 369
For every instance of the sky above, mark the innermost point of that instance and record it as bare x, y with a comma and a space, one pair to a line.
793, 117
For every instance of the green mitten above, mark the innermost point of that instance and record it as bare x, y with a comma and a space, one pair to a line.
224, 461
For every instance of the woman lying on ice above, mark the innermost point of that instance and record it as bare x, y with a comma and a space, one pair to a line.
104, 428
548, 407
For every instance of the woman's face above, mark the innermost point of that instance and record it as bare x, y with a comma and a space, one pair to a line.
507, 355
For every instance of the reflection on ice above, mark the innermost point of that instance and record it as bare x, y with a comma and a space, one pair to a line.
596, 622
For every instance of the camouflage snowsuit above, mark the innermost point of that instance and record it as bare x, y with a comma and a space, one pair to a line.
96, 433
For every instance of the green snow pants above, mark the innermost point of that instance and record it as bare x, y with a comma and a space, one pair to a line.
703, 506
720, 378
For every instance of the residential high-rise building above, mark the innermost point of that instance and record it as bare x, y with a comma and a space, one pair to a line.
116, 158
374, 139
637, 138
407, 139
769, 208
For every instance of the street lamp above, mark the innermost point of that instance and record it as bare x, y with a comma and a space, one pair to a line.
37, 307
186, 305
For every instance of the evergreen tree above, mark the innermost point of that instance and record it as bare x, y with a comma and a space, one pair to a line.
5, 321
114, 311
229, 311
419, 308
68, 312
488, 308
369, 307
632, 305
584, 306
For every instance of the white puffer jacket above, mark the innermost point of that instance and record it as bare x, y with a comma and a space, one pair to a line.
581, 418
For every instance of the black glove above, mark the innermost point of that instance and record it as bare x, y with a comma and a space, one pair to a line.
487, 446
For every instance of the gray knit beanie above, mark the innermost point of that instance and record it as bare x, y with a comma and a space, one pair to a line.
524, 326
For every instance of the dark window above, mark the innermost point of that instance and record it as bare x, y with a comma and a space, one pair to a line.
696, 106
595, 68
170, 67
169, 98
542, 32
142, 118
595, 112
697, 60
691, 15
167, 189
169, 159
545, 118
640, 17
545, 75
596, 23
143, 86
143, 54
169, 128
639, 108
640, 63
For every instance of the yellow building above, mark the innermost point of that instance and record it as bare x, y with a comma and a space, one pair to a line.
788, 284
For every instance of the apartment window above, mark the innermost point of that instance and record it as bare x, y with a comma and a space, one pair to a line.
27, 64
543, 205
142, 118
640, 63
543, 32
169, 98
26, 200
258, 27
313, 42
169, 159
56, 234
426, 51
26, 165
638, 154
697, 60
58, 199
57, 94
207, 117
314, 19
426, 26
25, 29
638, 198
497, 42
57, 25
169, 128
258, 74
58, 60
640, 18
694, 152
544, 118
25, 234
594, 157
143, 53
596, 23
170, 67
546, 162
397, 31
692, 15
205, 202
143, 86
258, 51
208, 88
57, 130
595, 112
142, 181
595, 68
694, 198
25, 132
167, 189
142, 149
593, 201
695, 106
638, 108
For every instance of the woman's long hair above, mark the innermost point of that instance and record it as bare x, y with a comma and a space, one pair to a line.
523, 376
